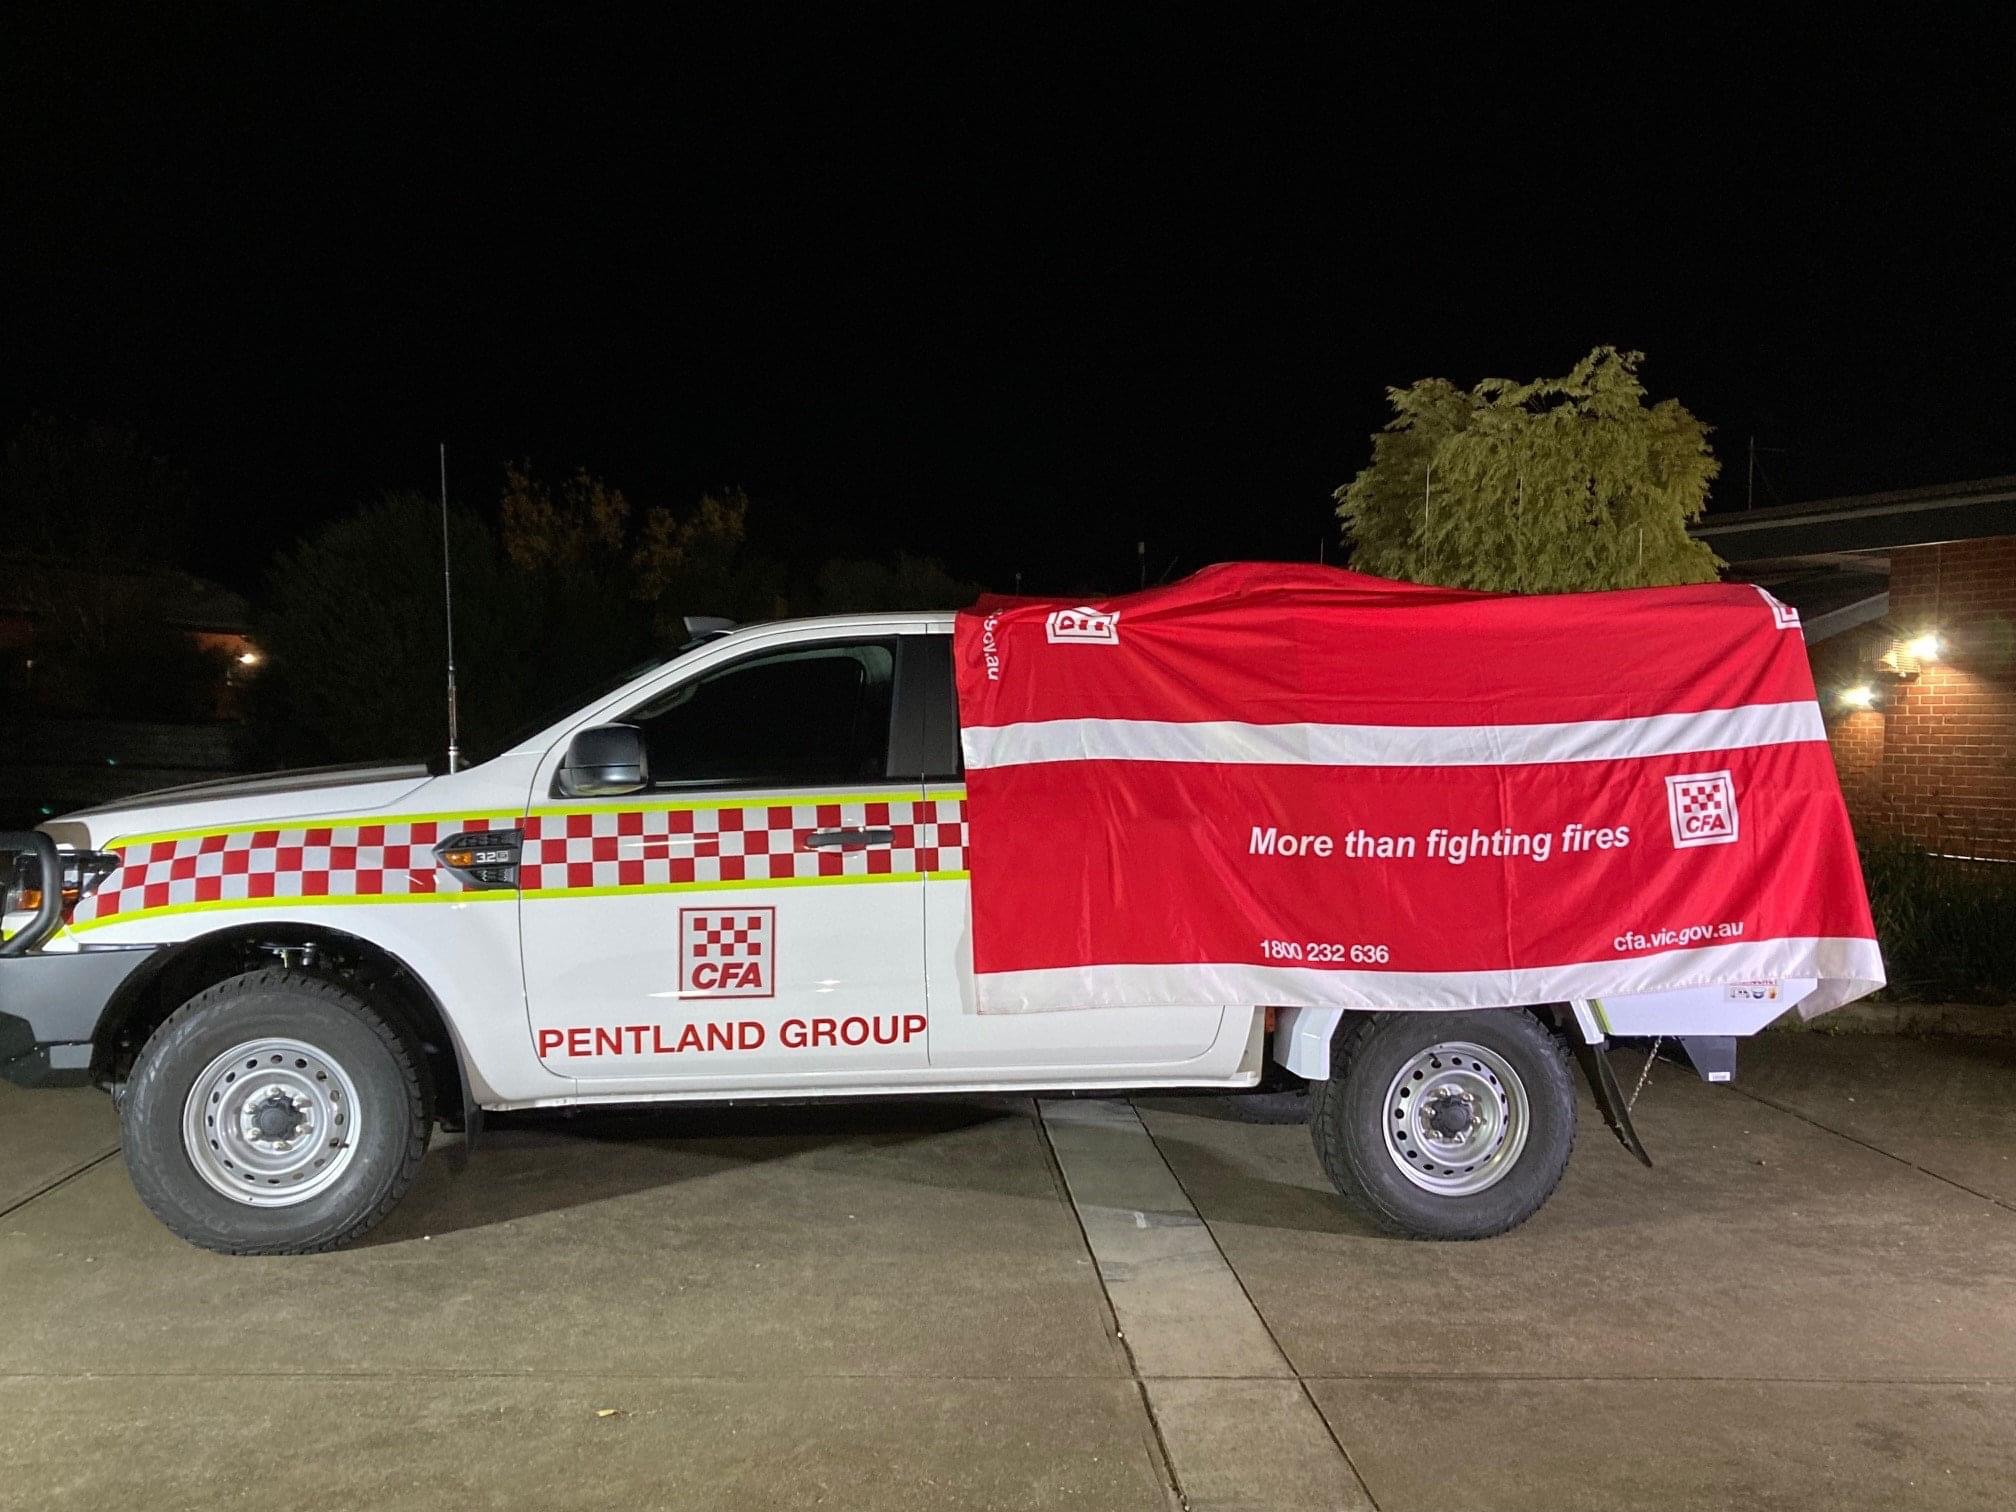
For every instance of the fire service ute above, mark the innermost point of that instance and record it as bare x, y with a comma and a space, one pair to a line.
1269, 828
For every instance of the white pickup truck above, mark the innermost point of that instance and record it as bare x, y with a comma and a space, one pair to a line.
741, 874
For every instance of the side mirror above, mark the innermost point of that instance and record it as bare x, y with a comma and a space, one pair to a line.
604, 761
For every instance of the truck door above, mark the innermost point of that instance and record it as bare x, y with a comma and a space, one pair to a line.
755, 915
1019, 1046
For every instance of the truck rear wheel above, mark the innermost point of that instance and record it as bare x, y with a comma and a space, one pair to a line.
276, 1113
1446, 1125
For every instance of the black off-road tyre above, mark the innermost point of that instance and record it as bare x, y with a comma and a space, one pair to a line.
343, 1037
1350, 1114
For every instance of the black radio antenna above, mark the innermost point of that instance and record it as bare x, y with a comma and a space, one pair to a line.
448, 608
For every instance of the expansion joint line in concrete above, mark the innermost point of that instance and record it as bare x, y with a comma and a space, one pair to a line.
1854, 1139
1246, 1292
1063, 1186
1187, 1217
68, 1176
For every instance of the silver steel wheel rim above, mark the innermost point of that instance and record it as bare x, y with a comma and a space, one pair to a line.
1421, 1118
271, 1122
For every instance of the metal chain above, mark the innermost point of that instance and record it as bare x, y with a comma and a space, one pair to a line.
1645, 1075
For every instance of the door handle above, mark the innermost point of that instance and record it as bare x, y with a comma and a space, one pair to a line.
849, 839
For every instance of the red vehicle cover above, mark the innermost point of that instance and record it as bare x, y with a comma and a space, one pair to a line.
1297, 785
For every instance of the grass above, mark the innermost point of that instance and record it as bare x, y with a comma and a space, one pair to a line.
1948, 927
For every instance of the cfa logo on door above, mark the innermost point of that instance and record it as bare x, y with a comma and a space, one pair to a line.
1702, 806
727, 952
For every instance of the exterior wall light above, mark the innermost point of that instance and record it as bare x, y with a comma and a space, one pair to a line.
1861, 696
1908, 657
248, 658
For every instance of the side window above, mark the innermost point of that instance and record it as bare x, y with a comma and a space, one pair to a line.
931, 671
787, 718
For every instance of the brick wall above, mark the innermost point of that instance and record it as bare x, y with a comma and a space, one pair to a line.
1936, 763
1857, 738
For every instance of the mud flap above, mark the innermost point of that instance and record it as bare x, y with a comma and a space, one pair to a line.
472, 1129
1595, 1061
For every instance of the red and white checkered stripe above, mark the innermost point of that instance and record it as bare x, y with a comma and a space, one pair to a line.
659, 847
563, 852
394, 859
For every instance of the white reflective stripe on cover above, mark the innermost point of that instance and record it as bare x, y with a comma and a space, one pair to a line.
1391, 745
1846, 966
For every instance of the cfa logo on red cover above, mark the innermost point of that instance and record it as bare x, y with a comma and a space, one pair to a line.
1082, 626
1702, 806
727, 952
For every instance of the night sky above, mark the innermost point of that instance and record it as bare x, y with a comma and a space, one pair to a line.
1008, 291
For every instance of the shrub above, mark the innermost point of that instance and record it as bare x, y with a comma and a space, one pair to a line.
1948, 927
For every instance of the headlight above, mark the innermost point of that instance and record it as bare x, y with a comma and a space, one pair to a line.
83, 871
23, 885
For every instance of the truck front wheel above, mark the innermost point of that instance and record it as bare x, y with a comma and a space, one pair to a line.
276, 1113
1446, 1125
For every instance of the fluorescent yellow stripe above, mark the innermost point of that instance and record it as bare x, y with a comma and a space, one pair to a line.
745, 884
60, 931
1602, 1018
947, 795
696, 805
341, 821
214, 904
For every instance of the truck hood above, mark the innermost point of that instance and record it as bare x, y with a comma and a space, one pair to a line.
306, 793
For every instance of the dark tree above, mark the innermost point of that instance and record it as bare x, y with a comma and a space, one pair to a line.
847, 585
356, 644
584, 535
1551, 486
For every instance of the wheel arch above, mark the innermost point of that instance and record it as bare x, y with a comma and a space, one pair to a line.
1303, 1036
179, 971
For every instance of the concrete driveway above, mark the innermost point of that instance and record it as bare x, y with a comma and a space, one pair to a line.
1811, 1302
